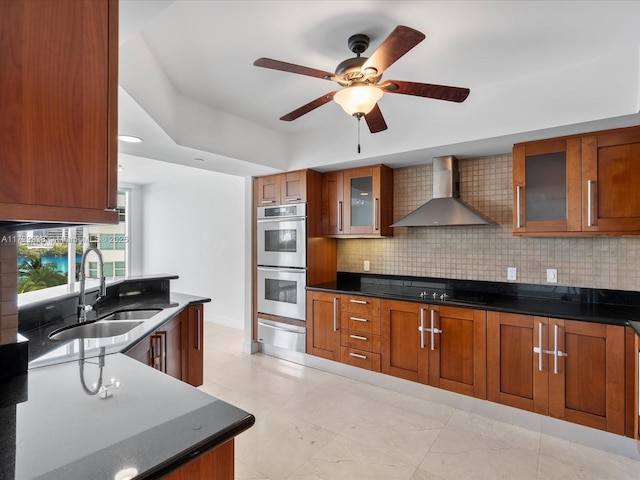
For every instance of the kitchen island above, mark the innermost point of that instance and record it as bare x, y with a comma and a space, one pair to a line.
86, 410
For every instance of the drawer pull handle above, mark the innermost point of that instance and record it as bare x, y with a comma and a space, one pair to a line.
358, 319
361, 302
358, 337
357, 355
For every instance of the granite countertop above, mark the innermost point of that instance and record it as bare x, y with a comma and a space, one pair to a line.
54, 424
572, 303
61, 432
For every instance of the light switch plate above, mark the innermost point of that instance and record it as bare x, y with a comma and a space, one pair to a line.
511, 273
552, 275
367, 266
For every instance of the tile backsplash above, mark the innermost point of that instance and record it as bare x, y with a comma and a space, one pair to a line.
485, 252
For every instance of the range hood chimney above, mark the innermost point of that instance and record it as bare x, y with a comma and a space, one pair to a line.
445, 208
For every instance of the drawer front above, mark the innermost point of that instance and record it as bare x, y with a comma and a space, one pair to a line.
362, 305
360, 341
360, 358
360, 323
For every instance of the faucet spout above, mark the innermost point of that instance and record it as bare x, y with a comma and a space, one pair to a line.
83, 308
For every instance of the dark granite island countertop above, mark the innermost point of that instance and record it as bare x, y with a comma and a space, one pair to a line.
151, 422
55, 423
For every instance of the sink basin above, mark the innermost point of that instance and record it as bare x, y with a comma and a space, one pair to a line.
131, 315
112, 325
95, 329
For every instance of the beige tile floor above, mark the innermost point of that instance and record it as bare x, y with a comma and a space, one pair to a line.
314, 425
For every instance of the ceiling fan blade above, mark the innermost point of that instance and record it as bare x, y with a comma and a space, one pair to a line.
375, 120
292, 68
399, 42
439, 92
312, 105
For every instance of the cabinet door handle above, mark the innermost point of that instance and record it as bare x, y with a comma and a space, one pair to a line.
518, 214
375, 214
339, 216
589, 203
292, 199
357, 355
556, 353
268, 201
361, 302
358, 337
198, 330
335, 314
422, 329
162, 337
358, 319
539, 346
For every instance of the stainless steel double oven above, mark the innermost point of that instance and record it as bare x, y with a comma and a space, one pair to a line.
282, 273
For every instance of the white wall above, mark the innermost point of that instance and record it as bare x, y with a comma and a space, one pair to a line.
193, 226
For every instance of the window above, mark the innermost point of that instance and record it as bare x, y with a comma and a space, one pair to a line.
51, 257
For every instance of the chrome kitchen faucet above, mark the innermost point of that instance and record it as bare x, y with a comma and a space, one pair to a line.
82, 307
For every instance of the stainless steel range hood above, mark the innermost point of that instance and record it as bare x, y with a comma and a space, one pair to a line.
445, 208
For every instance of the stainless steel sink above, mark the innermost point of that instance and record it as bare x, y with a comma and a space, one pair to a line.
131, 315
95, 329
114, 324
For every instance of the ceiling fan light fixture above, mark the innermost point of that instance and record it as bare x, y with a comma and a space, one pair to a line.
358, 99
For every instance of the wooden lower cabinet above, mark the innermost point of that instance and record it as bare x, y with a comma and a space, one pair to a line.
176, 348
194, 348
323, 325
402, 351
457, 357
217, 464
583, 382
440, 346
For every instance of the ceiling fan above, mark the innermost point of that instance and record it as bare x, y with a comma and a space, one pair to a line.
360, 78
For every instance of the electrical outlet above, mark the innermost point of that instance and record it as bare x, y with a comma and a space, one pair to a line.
552, 275
511, 273
367, 266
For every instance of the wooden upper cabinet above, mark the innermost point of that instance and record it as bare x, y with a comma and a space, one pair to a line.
582, 382
268, 190
58, 95
546, 187
358, 202
332, 203
610, 181
579, 185
290, 187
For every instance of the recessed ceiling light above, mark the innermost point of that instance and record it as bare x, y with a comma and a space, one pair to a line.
199, 159
130, 139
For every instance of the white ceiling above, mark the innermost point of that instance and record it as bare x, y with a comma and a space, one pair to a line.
535, 69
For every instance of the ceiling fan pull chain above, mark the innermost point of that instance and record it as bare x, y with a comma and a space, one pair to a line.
359, 117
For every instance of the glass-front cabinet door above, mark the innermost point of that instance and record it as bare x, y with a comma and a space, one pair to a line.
546, 186
368, 201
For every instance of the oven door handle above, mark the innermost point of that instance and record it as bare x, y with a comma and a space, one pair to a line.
281, 219
283, 269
